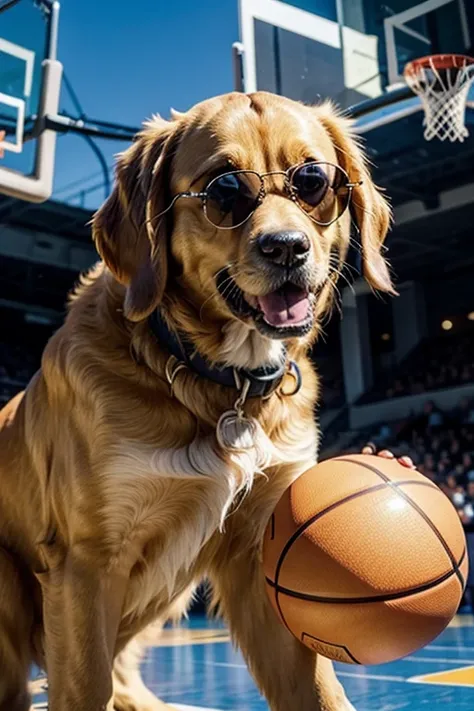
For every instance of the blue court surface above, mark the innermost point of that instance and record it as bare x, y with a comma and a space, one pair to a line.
195, 668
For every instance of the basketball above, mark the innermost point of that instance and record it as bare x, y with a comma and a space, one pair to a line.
364, 559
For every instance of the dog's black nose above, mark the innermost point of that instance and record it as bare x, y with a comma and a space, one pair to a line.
288, 249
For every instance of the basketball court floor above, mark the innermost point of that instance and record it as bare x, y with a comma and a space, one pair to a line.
195, 668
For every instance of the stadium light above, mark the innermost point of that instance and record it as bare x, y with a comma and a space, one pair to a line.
446, 325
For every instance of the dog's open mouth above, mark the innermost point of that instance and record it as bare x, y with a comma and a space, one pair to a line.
284, 313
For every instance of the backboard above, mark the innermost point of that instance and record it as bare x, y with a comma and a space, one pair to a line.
347, 50
30, 78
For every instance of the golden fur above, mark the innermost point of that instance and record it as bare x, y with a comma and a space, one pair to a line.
115, 498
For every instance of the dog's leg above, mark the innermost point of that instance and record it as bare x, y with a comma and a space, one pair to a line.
291, 677
130, 693
16, 620
82, 604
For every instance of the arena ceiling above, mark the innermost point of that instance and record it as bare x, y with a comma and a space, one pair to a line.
431, 187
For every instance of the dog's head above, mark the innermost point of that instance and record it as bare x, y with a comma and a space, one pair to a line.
253, 244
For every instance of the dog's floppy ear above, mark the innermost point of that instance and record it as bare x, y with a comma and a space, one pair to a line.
370, 209
128, 236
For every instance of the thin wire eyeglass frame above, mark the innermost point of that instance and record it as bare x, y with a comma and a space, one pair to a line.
289, 188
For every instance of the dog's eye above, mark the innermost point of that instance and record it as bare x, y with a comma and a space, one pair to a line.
224, 190
311, 183
232, 197
321, 190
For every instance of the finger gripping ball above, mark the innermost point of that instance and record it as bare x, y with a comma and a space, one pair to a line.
364, 560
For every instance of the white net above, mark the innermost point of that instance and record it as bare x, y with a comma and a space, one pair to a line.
443, 92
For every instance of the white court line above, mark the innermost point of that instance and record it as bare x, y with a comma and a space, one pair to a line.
225, 664
372, 677
379, 677
441, 660
440, 648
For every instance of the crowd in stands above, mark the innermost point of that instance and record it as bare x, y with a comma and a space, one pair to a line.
436, 364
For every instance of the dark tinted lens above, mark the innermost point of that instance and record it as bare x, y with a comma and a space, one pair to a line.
231, 198
311, 183
321, 190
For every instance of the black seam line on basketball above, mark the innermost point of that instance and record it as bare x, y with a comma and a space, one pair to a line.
365, 600
380, 474
419, 510
304, 526
396, 484
331, 644
272, 527
460, 576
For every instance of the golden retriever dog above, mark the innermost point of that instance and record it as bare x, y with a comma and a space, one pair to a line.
176, 403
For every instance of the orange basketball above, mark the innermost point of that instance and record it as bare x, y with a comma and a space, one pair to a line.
365, 560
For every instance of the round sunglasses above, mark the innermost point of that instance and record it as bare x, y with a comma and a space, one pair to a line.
322, 190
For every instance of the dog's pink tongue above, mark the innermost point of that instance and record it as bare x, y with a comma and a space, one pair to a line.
285, 307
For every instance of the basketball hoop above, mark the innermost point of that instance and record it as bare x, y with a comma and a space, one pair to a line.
442, 82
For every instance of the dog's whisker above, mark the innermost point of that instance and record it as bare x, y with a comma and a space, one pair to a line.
341, 275
204, 304
227, 288
212, 279
229, 293
336, 302
228, 281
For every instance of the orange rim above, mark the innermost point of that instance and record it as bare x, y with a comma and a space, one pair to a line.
438, 61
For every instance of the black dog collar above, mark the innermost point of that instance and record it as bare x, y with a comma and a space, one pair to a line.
262, 381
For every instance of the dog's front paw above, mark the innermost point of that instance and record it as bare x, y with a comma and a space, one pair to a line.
348, 706
341, 704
